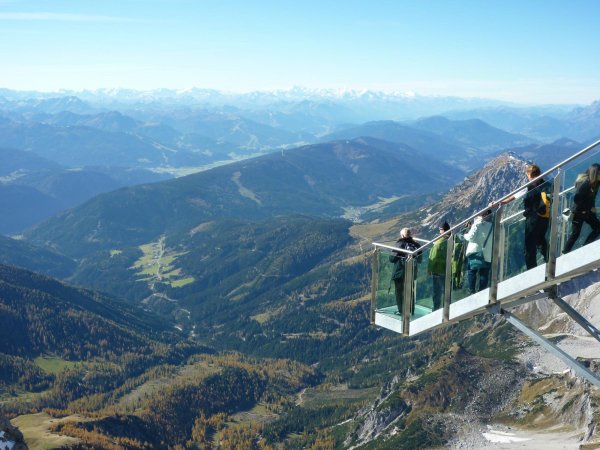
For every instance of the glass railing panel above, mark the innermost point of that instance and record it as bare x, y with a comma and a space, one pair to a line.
579, 204
459, 268
472, 256
513, 229
525, 231
388, 269
429, 279
577, 167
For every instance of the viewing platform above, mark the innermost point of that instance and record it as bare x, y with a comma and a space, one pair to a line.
510, 282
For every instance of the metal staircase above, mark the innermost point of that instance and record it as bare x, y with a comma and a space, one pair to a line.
511, 284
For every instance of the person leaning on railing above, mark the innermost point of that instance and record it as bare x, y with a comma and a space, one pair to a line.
584, 206
436, 266
479, 251
536, 225
405, 242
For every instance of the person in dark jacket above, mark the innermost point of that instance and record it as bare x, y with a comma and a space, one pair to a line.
406, 242
584, 206
437, 266
536, 225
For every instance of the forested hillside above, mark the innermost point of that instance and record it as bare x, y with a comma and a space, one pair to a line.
21, 254
321, 179
68, 351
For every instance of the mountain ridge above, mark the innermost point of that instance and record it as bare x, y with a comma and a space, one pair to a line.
318, 179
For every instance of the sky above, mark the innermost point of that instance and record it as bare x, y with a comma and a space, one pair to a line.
525, 51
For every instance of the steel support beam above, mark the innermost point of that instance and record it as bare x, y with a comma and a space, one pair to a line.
577, 367
582, 321
522, 301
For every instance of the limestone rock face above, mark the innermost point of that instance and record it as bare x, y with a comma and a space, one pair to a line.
497, 178
374, 419
10, 434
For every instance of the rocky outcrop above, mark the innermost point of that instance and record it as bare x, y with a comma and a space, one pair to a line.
10, 436
497, 178
374, 419
459, 383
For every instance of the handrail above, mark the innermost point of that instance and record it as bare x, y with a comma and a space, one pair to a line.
506, 219
549, 171
498, 202
396, 249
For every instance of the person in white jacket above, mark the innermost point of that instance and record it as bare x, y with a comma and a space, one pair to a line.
479, 251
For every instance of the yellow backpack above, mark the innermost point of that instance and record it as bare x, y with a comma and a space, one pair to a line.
544, 209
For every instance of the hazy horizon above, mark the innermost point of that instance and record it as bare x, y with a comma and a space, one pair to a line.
300, 92
535, 52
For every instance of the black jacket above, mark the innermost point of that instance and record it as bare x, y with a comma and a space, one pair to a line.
584, 199
398, 258
533, 199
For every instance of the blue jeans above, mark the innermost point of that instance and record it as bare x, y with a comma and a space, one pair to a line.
484, 273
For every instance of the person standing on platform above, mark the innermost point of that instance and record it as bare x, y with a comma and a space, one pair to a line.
479, 251
536, 219
406, 242
436, 266
584, 206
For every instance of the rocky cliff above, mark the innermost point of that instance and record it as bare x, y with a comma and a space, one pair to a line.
10, 437
497, 178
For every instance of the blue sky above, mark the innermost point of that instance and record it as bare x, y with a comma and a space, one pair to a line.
528, 51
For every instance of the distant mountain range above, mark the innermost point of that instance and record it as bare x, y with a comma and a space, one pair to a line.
543, 123
118, 138
353, 99
473, 133
548, 155
298, 104
464, 144
80, 146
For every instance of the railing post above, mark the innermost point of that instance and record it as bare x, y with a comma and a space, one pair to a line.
497, 255
553, 242
374, 282
448, 279
408, 293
